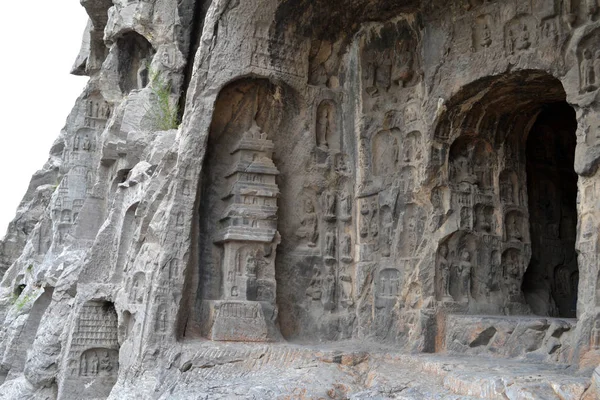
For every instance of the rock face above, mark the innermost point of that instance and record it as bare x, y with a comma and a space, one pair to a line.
350, 180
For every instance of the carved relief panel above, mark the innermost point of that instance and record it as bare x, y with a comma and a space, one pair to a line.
386, 157
98, 363
510, 29
137, 288
483, 29
284, 55
97, 112
93, 352
389, 60
325, 62
513, 269
327, 126
456, 270
520, 34
389, 222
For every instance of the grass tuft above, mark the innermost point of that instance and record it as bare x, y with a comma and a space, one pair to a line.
164, 112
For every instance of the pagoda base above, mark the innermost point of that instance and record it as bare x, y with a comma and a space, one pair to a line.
239, 321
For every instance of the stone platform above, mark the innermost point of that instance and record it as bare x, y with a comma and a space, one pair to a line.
230, 320
353, 370
535, 338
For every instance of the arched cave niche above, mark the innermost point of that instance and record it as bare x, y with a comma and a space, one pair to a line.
457, 258
470, 160
505, 150
134, 57
240, 212
128, 228
326, 130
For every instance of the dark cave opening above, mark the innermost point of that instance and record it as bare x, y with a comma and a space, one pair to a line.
551, 280
135, 55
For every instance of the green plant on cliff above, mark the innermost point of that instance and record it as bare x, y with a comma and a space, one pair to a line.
163, 111
22, 301
18, 300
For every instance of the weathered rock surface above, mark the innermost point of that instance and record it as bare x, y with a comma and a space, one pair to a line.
284, 199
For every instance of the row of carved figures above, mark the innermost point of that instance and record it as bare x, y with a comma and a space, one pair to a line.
329, 287
462, 270
332, 203
92, 364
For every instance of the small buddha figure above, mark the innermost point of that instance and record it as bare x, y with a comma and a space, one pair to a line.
444, 268
341, 165
90, 109
596, 66
523, 42
346, 290
464, 274
403, 70
386, 237
514, 233
162, 319
463, 170
329, 290
512, 274
383, 72
345, 206
83, 367
510, 42
314, 290
323, 127
251, 265
409, 150
76, 143
134, 290
586, 70
506, 191
364, 220
309, 229
87, 145
143, 74
364, 227
94, 364
412, 234
484, 220
486, 35
330, 205
105, 364
369, 71
347, 248
374, 229
395, 152
330, 245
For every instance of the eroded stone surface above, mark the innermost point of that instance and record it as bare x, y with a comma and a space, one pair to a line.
411, 176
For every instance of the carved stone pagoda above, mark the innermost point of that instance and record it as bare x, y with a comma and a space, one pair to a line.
248, 239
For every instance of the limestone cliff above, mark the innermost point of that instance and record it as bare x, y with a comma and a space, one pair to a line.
300, 198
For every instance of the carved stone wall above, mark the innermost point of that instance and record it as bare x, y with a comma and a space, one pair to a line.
415, 174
